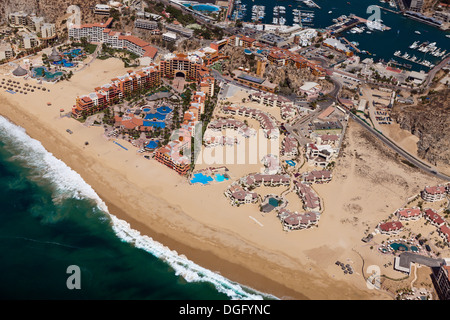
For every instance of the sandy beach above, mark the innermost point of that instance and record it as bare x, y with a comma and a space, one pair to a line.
368, 184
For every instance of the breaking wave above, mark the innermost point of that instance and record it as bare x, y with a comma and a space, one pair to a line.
69, 184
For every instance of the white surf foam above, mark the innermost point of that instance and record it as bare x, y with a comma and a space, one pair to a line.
69, 183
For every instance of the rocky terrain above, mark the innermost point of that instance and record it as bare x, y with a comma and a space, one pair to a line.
430, 121
288, 78
51, 10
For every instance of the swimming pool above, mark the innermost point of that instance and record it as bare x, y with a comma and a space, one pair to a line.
64, 63
146, 109
398, 246
164, 110
291, 163
39, 72
201, 178
155, 116
155, 124
220, 177
202, 7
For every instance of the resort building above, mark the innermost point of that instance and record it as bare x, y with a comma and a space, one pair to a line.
30, 41
242, 41
270, 100
102, 10
145, 24
434, 218
408, 214
182, 65
329, 139
296, 221
117, 89
172, 156
268, 124
48, 31
239, 195
288, 111
169, 36
35, 23
268, 180
442, 282
101, 33
315, 176
254, 82
188, 33
389, 228
289, 146
444, 232
311, 200
18, 19
6, 51
435, 193
319, 155
310, 89
239, 126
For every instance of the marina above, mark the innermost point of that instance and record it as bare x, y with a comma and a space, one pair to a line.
340, 19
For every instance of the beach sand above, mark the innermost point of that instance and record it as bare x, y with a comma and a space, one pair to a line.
198, 221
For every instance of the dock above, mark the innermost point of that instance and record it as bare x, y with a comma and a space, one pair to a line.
351, 45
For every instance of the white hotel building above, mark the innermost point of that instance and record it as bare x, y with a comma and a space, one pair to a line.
101, 32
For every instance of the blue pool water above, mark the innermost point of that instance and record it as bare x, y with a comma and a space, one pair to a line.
155, 124
220, 177
202, 7
201, 178
64, 63
155, 116
152, 144
39, 72
290, 162
146, 109
164, 110
397, 246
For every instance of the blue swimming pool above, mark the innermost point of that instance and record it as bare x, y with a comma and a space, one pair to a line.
152, 144
64, 63
291, 163
146, 109
164, 110
201, 178
398, 246
220, 177
155, 116
202, 7
155, 124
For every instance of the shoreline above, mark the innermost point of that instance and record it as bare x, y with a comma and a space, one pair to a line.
232, 271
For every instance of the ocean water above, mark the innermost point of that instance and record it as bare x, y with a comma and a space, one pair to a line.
51, 219
380, 44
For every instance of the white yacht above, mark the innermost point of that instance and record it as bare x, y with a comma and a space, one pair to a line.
414, 45
397, 53
418, 32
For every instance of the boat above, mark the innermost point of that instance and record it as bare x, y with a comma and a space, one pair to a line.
447, 35
330, 11
397, 53
414, 45
418, 32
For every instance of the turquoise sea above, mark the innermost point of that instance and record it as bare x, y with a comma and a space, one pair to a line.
380, 45
51, 219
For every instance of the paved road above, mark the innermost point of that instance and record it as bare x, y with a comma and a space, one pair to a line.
418, 163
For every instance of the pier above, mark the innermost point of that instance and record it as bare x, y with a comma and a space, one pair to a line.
351, 44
